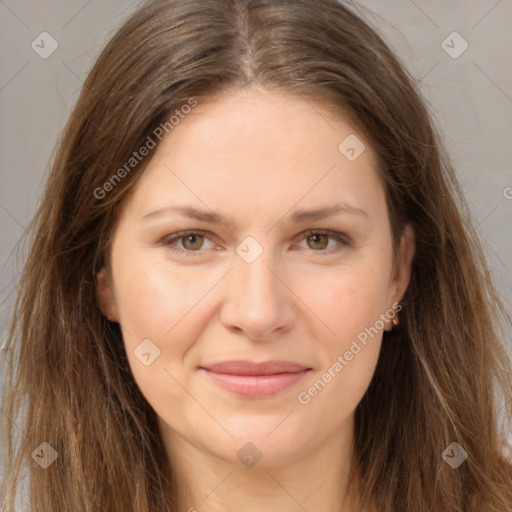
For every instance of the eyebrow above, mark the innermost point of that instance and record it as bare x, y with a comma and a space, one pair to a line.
296, 217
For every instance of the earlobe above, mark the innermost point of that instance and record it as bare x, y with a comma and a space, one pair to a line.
105, 295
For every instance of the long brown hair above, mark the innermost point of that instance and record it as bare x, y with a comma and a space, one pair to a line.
444, 376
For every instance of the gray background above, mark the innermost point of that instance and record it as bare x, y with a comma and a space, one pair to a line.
470, 96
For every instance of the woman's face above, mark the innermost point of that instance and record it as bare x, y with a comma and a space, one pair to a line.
213, 261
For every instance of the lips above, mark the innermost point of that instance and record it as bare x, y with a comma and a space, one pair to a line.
250, 368
252, 379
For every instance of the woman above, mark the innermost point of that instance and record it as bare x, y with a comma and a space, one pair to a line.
251, 285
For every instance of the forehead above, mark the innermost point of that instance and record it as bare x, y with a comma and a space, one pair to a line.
242, 152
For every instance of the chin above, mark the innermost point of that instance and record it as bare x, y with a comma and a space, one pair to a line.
262, 443
259, 452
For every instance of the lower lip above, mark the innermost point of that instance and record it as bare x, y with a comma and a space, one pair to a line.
254, 386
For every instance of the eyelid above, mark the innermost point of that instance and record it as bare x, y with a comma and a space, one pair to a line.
342, 239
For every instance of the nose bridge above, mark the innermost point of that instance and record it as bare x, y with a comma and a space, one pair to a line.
257, 302
260, 282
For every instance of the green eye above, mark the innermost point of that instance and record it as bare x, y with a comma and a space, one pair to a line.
192, 242
318, 241
189, 243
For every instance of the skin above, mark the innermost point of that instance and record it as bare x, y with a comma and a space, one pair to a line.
299, 300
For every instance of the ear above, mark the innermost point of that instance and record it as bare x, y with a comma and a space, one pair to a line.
105, 295
403, 265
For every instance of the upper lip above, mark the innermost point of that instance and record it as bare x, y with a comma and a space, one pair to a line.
240, 367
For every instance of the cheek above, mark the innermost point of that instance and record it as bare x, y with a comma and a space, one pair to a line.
348, 301
158, 302
161, 313
350, 305
145, 302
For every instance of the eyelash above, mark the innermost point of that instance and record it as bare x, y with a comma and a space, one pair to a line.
339, 237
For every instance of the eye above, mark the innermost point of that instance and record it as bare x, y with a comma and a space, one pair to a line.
320, 241
187, 242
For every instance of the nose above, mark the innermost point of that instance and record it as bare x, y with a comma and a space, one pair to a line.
257, 302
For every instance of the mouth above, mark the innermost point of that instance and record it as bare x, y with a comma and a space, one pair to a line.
254, 380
